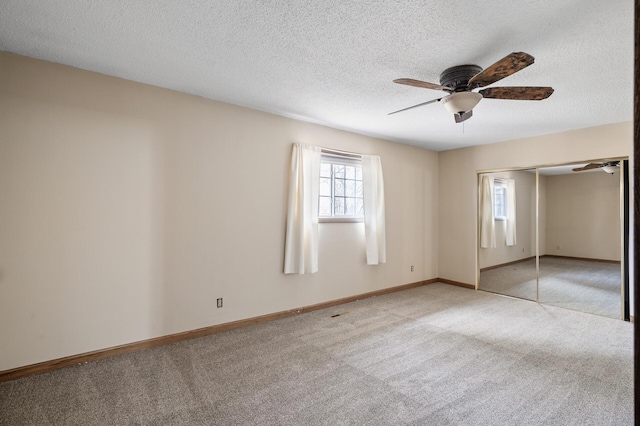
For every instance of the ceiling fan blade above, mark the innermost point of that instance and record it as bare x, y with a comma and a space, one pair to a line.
506, 66
416, 106
464, 116
589, 166
423, 84
525, 93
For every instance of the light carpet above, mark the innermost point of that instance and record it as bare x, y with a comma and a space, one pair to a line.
433, 355
582, 285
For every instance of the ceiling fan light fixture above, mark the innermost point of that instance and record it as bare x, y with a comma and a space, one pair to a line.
610, 169
461, 102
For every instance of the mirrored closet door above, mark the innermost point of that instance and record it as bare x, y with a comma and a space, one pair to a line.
507, 224
580, 244
556, 235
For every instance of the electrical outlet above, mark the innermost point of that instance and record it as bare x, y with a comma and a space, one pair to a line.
411, 268
219, 302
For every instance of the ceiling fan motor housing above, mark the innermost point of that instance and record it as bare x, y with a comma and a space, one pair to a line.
457, 78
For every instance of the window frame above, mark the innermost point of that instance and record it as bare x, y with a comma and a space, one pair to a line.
331, 158
500, 184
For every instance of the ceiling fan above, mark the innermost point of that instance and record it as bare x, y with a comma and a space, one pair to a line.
461, 80
607, 166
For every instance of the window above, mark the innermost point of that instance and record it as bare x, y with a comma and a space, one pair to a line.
341, 193
500, 200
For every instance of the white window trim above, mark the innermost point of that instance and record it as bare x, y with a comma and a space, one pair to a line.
341, 219
337, 158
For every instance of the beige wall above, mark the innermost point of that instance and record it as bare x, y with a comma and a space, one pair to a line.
457, 202
128, 209
583, 215
579, 216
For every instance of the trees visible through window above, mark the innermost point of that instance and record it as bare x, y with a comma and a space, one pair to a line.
341, 193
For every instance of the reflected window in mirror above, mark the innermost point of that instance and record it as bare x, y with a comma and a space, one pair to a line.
500, 200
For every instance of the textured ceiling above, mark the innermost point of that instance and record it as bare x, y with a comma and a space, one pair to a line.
333, 61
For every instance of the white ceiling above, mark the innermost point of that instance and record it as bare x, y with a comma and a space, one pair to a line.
333, 61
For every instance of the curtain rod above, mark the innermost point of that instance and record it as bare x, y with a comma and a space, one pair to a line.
339, 153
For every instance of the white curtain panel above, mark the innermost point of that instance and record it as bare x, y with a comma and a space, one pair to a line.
511, 213
301, 243
487, 223
374, 219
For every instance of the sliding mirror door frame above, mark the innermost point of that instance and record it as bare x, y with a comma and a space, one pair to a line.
624, 209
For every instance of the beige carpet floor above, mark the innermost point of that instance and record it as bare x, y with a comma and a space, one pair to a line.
433, 355
582, 285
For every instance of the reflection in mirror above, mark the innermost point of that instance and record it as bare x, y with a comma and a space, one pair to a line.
580, 240
507, 233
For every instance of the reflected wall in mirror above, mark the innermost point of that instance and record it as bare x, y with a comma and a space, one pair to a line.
507, 233
580, 240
